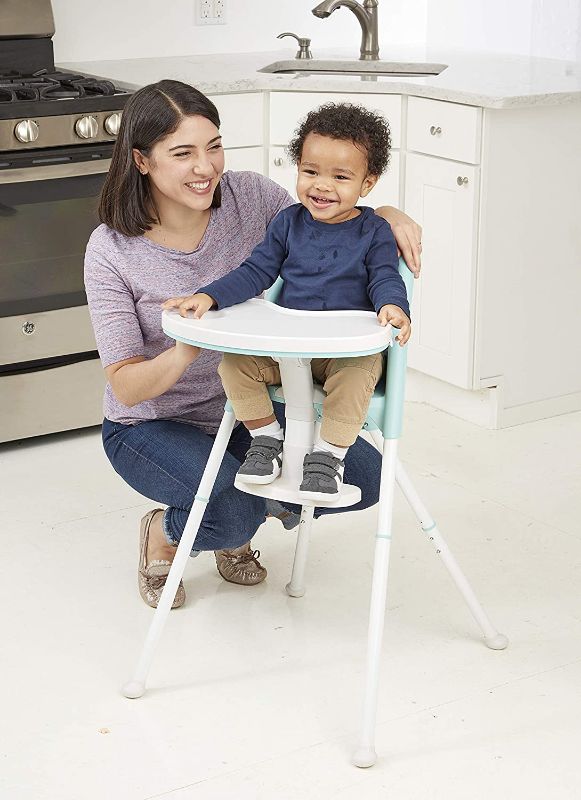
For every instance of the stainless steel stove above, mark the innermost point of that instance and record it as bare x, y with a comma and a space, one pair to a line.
57, 131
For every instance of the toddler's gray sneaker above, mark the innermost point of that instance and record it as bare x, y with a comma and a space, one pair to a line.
263, 461
322, 476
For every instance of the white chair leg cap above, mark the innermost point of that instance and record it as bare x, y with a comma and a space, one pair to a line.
364, 757
498, 642
294, 592
133, 689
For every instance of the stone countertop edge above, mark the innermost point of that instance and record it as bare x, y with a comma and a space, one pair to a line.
484, 79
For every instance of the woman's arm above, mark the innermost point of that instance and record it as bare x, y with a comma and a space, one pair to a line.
137, 379
408, 235
120, 342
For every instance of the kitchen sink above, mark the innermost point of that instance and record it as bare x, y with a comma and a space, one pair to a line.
313, 66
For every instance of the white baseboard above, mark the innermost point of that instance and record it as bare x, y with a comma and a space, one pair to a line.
484, 407
540, 409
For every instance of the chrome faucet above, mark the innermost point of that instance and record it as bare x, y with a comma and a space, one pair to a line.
366, 13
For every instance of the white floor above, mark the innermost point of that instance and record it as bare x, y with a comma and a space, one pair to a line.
254, 695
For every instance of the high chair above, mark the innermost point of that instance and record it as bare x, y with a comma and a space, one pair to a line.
299, 337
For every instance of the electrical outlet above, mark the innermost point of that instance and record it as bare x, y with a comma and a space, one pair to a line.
210, 12
220, 11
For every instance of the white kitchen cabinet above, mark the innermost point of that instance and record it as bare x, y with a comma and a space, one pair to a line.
448, 130
443, 197
241, 118
245, 158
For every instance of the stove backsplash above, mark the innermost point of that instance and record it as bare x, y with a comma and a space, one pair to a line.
26, 55
26, 31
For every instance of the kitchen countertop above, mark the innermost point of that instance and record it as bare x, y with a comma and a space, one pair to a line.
478, 79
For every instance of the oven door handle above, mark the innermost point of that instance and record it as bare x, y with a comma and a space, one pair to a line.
47, 172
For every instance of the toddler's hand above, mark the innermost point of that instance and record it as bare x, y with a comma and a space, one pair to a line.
393, 315
199, 303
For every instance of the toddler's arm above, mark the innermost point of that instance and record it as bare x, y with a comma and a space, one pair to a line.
385, 285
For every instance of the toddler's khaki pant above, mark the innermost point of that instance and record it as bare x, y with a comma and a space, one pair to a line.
348, 382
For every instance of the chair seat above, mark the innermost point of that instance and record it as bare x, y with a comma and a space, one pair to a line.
375, 413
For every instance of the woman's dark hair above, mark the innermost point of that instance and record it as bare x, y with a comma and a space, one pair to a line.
151, 114
367, 130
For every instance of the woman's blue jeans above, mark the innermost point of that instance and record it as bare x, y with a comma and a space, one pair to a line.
164, 460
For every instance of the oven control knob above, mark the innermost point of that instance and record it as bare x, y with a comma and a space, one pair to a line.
26, 131
113, 123
87, 127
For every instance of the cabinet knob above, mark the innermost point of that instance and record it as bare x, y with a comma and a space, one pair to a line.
278, 161
435, 130
461, 181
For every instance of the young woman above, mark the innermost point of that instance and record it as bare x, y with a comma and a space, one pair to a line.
172, 221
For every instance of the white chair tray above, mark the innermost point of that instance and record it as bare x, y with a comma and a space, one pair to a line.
261, 327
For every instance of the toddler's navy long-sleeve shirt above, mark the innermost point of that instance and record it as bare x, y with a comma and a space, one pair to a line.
325, 267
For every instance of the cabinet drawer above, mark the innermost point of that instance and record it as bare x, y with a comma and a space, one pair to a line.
442, 129
288, 108
245, 158
241, 118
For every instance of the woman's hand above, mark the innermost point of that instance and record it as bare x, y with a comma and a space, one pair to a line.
408, 236
393, 315
199, 303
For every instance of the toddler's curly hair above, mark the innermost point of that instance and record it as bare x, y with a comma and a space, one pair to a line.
367, 130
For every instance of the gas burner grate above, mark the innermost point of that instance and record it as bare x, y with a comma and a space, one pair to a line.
43, 85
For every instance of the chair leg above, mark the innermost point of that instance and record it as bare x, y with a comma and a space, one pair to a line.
365, 755
136, 686
296, 585
492, 638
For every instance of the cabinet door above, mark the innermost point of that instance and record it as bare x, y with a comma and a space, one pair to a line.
242, 118
385, 193
282, 170
442, 197
245, 158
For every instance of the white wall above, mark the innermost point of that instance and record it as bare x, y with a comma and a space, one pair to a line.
140, 28
544, 28
110, 29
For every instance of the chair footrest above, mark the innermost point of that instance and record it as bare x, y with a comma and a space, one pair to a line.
284, 490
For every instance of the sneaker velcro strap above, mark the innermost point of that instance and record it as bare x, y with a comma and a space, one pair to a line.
261, 451
319, 469
321, 464
264, 448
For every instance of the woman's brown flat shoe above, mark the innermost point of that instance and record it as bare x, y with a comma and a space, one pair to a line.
240, 565
152, 576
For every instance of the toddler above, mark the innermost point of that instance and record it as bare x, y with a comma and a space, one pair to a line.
331, 254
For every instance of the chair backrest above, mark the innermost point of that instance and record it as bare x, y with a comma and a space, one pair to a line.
387, 408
